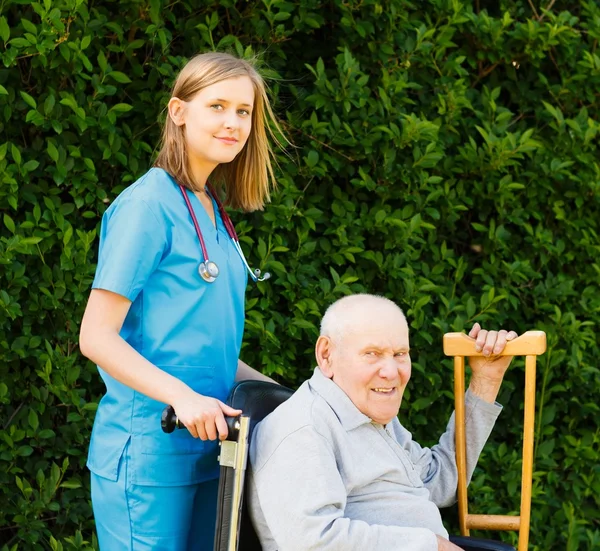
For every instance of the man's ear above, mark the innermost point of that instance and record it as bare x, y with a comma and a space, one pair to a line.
176, 109
323, 350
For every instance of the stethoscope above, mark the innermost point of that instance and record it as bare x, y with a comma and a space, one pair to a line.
208, 270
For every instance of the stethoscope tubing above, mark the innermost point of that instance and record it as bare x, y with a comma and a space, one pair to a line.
195, 221
229, 227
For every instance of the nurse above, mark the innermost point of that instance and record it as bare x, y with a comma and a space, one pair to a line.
160, 330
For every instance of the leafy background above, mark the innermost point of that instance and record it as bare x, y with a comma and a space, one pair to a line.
445, 155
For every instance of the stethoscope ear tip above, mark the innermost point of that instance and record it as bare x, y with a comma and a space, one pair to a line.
256, 275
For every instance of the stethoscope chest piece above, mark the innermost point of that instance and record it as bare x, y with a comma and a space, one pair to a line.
208, 271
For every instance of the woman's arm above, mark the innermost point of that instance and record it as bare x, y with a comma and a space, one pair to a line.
99, 340
244, 372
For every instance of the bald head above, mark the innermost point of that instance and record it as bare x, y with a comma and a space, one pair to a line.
354, 312
364, 349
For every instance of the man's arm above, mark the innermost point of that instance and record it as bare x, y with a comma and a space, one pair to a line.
438, 465
303, 498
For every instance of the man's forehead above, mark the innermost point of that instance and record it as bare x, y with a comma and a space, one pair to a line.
379, 333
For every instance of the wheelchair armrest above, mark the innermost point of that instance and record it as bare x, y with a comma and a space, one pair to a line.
478, 544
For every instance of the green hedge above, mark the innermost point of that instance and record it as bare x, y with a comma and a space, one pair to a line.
446, 155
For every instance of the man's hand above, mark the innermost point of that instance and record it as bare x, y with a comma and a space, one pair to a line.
488, 371
445, 545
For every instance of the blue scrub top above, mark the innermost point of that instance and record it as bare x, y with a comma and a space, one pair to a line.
149, 253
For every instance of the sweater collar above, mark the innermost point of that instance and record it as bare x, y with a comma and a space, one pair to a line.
349, 415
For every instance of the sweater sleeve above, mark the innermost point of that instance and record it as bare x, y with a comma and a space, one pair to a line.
302, 499
437, 466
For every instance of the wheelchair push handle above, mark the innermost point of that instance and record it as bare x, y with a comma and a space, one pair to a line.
169, 422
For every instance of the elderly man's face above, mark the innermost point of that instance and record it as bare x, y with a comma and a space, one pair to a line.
370, 363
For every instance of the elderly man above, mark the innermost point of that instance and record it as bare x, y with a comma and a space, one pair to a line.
333, 469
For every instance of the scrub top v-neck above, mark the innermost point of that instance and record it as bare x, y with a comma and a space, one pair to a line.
149, 253
217, 230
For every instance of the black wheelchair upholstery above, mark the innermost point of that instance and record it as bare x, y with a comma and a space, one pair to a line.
257, 399
478, 544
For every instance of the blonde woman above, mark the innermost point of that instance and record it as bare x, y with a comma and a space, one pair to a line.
165, 316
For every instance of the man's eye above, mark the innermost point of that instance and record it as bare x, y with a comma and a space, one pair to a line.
400, 354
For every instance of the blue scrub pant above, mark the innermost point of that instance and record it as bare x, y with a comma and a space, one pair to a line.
153, 518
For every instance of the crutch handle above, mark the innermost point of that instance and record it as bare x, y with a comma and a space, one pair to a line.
531, 343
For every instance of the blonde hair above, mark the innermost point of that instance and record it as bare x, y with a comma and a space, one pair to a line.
248, 178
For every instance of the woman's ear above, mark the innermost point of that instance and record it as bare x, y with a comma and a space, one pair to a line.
323, 350
176, 109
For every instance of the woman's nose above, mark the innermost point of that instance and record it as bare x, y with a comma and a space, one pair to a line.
231, 120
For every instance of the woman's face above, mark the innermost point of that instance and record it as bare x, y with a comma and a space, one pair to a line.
217, 122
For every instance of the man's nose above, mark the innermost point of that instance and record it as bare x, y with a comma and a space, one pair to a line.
388, 368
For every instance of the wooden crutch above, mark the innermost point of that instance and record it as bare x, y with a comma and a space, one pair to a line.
530, 345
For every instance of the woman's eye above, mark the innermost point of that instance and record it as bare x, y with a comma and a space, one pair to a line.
243, 112
217, 107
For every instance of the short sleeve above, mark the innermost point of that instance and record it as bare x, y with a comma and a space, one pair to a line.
133, 240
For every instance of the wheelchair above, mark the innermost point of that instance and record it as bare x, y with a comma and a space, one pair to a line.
234, 530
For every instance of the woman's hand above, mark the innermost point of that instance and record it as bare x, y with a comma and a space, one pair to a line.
204, 416
488, 370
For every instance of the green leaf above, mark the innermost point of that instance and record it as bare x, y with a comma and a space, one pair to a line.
29, 26
25, 451
3, 91
68, 235
119, 77
71, 484
28, 100
31, 240
20, 43
34, 421
49, 104
16, 154
52, 151
102, 62
312, 158
9, 223
30, 165
4, 29
121, 108
34, 117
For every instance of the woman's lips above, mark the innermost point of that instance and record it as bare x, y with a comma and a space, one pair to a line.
227, 141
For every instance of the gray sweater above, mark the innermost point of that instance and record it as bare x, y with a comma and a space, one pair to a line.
325, 477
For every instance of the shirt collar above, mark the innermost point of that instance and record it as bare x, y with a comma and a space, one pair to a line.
349, 415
